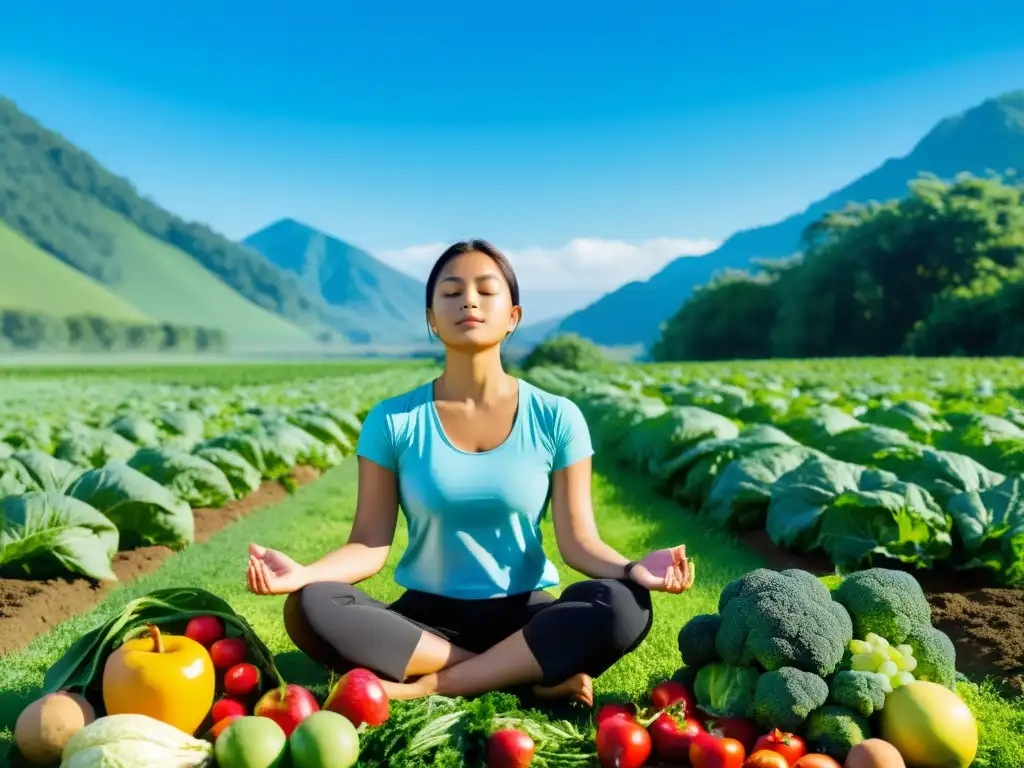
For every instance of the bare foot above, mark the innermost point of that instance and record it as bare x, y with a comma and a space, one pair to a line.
579, 687
402, 691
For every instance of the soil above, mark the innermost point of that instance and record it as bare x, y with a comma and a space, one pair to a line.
29, 608
985, 623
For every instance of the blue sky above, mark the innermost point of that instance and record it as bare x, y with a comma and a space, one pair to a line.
592, 141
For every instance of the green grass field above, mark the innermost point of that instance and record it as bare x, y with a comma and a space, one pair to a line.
36, 281
631, 518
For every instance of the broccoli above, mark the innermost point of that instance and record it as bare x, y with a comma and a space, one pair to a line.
782, 619
863, 692
887, 602
697, 639
785, 697
724, 690
935, 655
835, 730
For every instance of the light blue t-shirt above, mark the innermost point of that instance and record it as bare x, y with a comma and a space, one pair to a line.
474, 518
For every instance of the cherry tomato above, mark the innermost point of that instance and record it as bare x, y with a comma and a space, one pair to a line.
789, 745
765, 758
816, 760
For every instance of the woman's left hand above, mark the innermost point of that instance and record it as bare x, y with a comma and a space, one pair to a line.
665, 570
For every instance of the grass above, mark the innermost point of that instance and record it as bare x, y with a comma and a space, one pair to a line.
36, 281
631, 517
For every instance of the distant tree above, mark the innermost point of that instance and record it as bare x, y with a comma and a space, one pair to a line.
567, 350
729, 318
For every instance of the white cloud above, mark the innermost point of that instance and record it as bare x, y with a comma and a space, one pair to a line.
583, 264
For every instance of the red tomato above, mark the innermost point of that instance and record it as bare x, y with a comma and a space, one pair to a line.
744, 731
765, 758
615, 709
668, 693
710, 751
816, 760
789, 745
623, 743
671, 738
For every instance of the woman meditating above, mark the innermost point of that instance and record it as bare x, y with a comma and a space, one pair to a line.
473, 459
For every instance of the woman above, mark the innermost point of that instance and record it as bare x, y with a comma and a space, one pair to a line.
473, 458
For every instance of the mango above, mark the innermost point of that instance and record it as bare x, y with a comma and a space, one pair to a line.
930, 725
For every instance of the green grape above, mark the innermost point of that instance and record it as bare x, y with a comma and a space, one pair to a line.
880, 658
895, 656
910, 664
859, 647
905, 649
863, 662
888, 669
901, 679
876, 640
886, 683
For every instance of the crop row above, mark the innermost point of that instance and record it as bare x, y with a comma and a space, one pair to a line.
119, 465
860, 473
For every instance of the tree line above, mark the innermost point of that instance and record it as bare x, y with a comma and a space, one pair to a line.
938, 272
21, 330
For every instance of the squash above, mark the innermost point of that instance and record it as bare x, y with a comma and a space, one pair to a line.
168, 677
930, 725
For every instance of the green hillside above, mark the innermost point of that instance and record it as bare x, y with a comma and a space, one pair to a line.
35, 281
370, 302
987, 137
174, 287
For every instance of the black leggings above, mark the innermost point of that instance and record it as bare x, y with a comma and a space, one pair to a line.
590, 627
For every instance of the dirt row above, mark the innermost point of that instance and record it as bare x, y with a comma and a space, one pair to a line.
29, 608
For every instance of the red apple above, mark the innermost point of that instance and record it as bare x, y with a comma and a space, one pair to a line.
227, 706
227, 652
360, 697
242, 680
205, 630
287, 707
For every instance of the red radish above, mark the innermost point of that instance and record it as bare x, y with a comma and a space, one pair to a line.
509, 748
219, 727
360, 697
623, 743
615, 709
227, 706
205, 630
671, 737
227, 652
287, 707
669, 693
242, 679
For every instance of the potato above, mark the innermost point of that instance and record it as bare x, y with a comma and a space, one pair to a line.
874, 753
45, 725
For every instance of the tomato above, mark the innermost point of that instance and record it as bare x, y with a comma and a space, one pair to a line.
623, 743
789, 745
710, 751
765, 758
816, 760
744, 731
671, 738
615, 709
668, 693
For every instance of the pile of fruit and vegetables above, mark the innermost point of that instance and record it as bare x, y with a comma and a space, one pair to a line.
792, 672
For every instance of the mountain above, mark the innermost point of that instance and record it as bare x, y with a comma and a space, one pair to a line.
988, 137
59, 204
369, 302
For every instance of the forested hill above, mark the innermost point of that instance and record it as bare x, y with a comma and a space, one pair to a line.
987, 137
63, 201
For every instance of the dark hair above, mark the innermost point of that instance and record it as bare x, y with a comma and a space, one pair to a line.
468, 246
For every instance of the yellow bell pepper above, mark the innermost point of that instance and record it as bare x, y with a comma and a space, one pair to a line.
168, 677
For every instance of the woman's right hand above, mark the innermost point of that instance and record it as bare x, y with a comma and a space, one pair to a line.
273, 573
